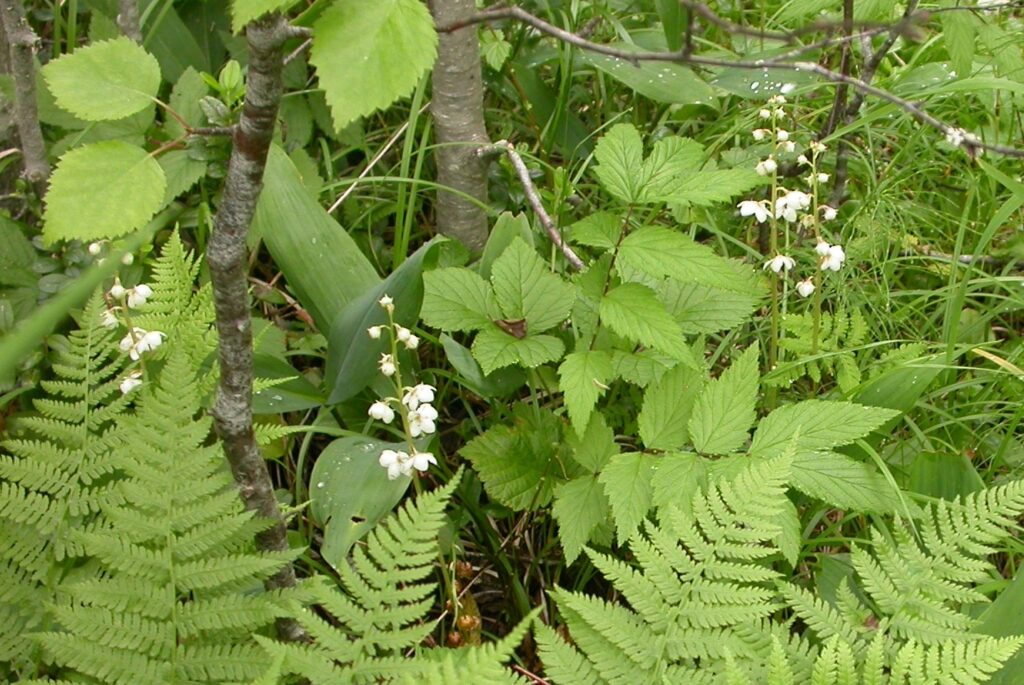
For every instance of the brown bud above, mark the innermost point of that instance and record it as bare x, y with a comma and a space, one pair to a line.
468, 623
464, 570
454, 639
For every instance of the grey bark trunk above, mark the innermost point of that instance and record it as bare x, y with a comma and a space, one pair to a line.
21, 42
128, 19
457, 107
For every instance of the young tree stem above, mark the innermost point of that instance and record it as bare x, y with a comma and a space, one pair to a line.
21, 41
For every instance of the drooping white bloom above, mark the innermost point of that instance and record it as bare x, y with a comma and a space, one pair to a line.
95, 248
397, 463
794, 201
805, 287
374, 332
128, 341
402, 333
381, 411
418, 394
823, 178
956, 136
788, 146
822, 247
833, 261
828, 213
421, 461
778, 113
766, 166
130, 382
817, 147
387, 364
765, 113
150, 341
138, 295
109, 319
782, 135
759, 134
117, 290
754, 208
777, 100
412, 343
802, 159
780, 262
421, 420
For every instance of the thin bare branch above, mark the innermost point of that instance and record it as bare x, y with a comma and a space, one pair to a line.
21, 42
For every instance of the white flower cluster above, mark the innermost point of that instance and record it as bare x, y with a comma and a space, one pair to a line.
139, 341
400, 463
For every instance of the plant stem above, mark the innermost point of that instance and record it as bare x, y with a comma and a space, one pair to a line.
22, 41
226, 257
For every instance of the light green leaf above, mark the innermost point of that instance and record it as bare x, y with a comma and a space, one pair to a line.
620, 155
103, 190
596, 447
627, 483
663, 252
456, 299
667, 406
525, 289
669, 160
815, 425
244, 11
600, 229
185, 97
494, 48
368, 54
702, 309
958, 35
707, 187
580, 506
664, 82
633, 311
507, 227
494, 349
108, 80
788, 520
641, 368
844, 482
678, 476
181, 172
583, 377
725, 409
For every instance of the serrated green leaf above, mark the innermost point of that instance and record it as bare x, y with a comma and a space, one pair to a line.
108, 80
703, 309
667, 406
670, 159
456, 299
725, 409
677, 477
627, 483
788, 520
958, 35
244, 11
663, 252
525, 289
494, 49
620, 155
368, 54
600, 229
103, 190
580, 506
596, 447
583, 377
707, 187
181, 172
634, 312
815, 425
641, 368
845, 483
507, 227
494, 349
185, 96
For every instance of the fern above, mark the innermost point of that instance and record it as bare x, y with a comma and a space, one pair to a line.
179, 597
702, 599
838, 335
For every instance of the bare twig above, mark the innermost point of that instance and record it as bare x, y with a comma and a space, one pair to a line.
21, 41
294, 54
128, 19
535, 202
839, 102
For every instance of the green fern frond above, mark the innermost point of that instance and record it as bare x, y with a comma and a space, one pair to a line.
180, 597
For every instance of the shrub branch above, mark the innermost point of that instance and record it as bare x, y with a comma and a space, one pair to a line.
22, 41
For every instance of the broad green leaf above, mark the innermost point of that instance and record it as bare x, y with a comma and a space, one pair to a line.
368, 54
103, 190
351, 354
678, 476
294, 394
620, 155
664, 82
633, 311
494, 49
185, 96
945, 475
627, 483
457, 299
350, 493
181, 172
707, 187
244, 11
703, 309
662, 252
641, 368
104, 81
670, 159
596, 447
672, 21
521, 464
507, 227
501, 383
958, 35
323, 265
667, 406
1002, 619
898, 388
761, 85
525, 289
494, 349
583, 377
725, 409
600, 229
580, 506
815, 425
844, 482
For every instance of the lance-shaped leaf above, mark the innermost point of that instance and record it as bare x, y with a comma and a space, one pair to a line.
104, 81
667, 407
582, 378
662, 252
627, 482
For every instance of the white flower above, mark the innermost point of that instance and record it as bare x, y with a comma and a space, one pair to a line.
117, 290
787, 88
421, 461
150, 341
374, 332
822, 247
833, 261
787, 206
387, 365
387, 303
823, 178
776, 100
128, 341
418, 394
109, 319
128, 259
397, 463
138, 295
817, 147
956, 136
754, 208
778, 113
828, 213
421, 420
759, 134
781, 135
412, 343
766, 167
788, 146
780, 262
765, 114
95, 248
132, 381
402, 333
805, 287
381, 411
802, 159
